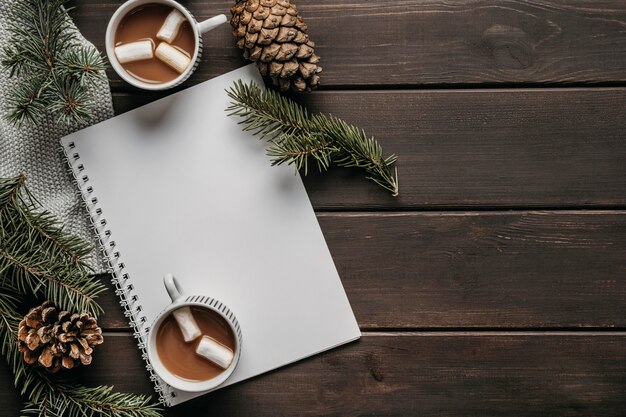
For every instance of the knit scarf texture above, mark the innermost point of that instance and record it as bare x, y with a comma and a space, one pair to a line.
35, 151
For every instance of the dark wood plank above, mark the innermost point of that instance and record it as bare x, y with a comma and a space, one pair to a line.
475, 270
416, 42
480, 148
407, 375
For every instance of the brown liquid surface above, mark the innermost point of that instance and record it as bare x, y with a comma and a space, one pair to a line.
180, 358
143, 23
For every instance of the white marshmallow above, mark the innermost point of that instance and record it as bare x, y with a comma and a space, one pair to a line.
187, 324
172, 57
171, 26
134, 51
215, 352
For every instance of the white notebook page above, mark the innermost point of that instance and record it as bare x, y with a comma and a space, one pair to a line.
184, 190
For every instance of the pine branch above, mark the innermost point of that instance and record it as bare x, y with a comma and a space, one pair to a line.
53, 268
360, 151
297, 149
50, 395
25, 103
83, 64
69, 99
266, 112
71, 400
297, 137
37, 256
57, 70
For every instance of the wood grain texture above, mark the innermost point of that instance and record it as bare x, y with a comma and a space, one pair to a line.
478, 148
416, 42
472, 282
406, 375
475, 270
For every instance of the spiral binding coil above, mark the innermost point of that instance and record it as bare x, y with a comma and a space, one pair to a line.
124, 289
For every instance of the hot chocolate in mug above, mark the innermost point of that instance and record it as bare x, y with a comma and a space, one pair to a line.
197, 28
184, 354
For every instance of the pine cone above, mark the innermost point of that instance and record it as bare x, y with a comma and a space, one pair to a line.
272, 33
56, 340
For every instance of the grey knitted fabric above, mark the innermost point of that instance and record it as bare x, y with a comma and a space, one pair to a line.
35, 151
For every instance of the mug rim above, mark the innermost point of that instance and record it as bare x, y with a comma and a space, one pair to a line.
174, 380
109, 42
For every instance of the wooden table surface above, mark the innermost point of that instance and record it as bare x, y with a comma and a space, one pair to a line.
495, 284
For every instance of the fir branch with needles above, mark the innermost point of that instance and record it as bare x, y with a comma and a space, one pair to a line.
37, 256
52, 265
298, 138
56, 70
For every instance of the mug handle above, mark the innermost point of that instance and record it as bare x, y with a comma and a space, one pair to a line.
212, 23
173, 287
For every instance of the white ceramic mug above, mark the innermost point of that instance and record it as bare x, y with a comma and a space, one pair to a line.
179, 299
198, 29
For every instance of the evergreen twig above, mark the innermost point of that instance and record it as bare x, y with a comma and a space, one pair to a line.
53, 267
37, 256
57, 70
297, 137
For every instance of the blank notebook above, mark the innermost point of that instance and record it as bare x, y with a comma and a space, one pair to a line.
177, 186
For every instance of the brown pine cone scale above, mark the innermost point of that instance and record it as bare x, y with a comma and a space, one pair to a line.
57, 339
273, 34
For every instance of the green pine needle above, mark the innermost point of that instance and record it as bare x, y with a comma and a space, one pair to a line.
25, 102
297, 149
39, 258
83, 64
69, 400
297, 137
51, 395
57, 70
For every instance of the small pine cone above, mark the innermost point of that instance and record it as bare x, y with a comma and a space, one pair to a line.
272, 34
57, 339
